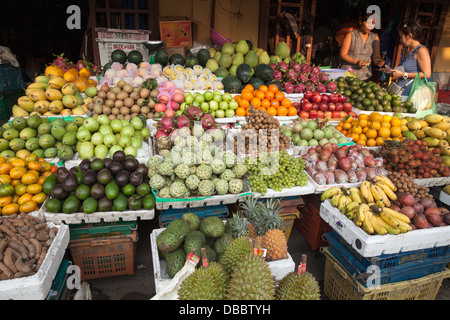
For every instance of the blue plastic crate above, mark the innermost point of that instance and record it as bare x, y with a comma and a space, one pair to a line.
393, 267
169, 215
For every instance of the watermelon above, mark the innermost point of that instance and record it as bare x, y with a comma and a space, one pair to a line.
134, 56
264, 72
119, 55
232, 84
203, 56
244, 72
191, 61
161, 57
177, 58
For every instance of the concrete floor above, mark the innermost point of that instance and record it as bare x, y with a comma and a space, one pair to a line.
141, 286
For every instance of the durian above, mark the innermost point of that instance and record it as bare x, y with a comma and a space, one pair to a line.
236, 251
296, 286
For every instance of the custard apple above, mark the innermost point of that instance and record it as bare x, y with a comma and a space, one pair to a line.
164, 193
204, 171
227, 175
236, 186
239, 170
197, 130
218, 134
182, 171
192, 182
218, 166
165, 168
230, 159
153, 162
206, 188
221, 186
177, 189
184, 132
157, 182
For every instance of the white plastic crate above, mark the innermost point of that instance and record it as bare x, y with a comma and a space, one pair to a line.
375, 245
279, 268
37, 286
107, 46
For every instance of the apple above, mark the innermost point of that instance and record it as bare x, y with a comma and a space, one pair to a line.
315, 106
304, 114
217, 97
343, 114
307, 106
223, 105
320, 114
336, 114
328, 114
199, 98
220, 114
213, 105
316, 98
307, 95
334, 98
342, 98
323, 106
325, 98
331, 106
348, 106
229, 113
339, 106
313, 114
227, 97
304, 101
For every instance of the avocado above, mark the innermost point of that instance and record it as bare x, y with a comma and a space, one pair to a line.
111, 190
120, 202
143, 189
49, 183
104, 204
97, 191
90, 205
83, 192
53, 205
104, 176
97, 164
71, 205
148, 202
128, 189
134, 202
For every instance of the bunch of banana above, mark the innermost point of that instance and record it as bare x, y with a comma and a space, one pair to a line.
380, 190
374, 219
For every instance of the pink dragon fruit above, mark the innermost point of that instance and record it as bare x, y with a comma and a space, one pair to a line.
331, 86
183, 121
303, 77
292, 76
194, 113
161, 133
166, 124
321, 88
314, 79
282, 66
315, 71
299, 88
310, 86
297, 67
288, 87
277, 75
208, 121
306, 68
323, 77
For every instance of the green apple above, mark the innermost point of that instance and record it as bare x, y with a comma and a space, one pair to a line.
233, 105
218, 97
204, 106
183, 106
199, 98
220, 114
188, 98
229, 113
223, 105
208, 95
227, 97
213, 105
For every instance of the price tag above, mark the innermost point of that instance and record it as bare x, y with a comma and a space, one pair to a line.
192, 258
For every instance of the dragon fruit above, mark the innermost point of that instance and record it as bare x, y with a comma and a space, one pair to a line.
321, 88
292, 76
183, 121
313, 78
315, 71
208, 121
283, 66
310, 86
297, 67
331, 86
306, 68
277, 75
302, 78
161, 133
288, 87
299, 88
323, 77
166, 124
194, 113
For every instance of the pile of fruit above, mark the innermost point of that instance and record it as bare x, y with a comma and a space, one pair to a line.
216, 103
370, 206
313, 133
22, 180
37, 135
374, 129
323, 106
295, 77
434, 129
229, 268
276, 171
405, 184
268, 98
132, 73
52, 95
100, 185
369, 96
192, 78
261, 133
330, 164
99, 137
423, 212
82, 66
413, 158
123, 101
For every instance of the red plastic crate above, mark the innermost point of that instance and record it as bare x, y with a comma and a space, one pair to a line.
443, 93
310, 225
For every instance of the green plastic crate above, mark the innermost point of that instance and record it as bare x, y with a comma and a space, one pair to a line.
101, 229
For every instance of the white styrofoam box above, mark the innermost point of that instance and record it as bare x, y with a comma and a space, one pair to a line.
36, 287
320, 188
375, 245
278, 268
359, 111
295, 191
433, 182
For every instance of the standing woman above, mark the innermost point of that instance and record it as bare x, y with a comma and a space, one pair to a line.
416, 58
360, 47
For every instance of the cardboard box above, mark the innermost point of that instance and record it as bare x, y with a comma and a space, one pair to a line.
176, 31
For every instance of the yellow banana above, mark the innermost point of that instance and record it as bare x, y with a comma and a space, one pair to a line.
377, 227
389, 228
362, 212
356, 196
351, 214
376, 192
327, 194
335, 200
404, 227
389, 219
365, 191
386, 181
384, 197
343, 201
380, 203
391, 194
351, 206
367, 223
398, 215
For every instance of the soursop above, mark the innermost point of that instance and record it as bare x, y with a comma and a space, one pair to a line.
218, 166
182, 171
192, 220
192, 182
169, 240
212, 227
178, 189
235, 186
227, 175
194, 241
204, 171
221, 186
206, 188
179, 225
175, 261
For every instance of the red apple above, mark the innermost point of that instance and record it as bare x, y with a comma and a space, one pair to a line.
304, 114
307, 106
307, 95
315, 106
328, 114
304, 101
325, 97
320, 114
336, 114
313, 114
334, 98
331, 106
316, 98
339, 106
343, 114
348, 106
323, 106
342, 98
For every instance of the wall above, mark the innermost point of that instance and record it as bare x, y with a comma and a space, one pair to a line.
234, 19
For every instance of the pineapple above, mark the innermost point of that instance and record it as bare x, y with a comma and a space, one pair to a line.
238, 226
252, 213
270, 228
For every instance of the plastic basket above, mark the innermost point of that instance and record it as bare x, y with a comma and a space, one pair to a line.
443, 93
340, 285
392, 268
217, 38
169, 215
311, 226
104, 257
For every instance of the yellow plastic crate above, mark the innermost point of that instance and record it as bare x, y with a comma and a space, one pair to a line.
340, 285
288, 222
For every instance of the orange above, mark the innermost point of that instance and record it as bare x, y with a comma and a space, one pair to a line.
249, 87
396, 122
255, 102
375, 116
363, 123
386, 124
357, 129
341, 123
279, 96
365, 129
379, 141
273, 87
354, 136
259, 94
349, 119
263, 88
247, 95
384, 132
387, 118
362, 137
275, 103
244, 103
396, 132
282, 112
375, 125
339, 128
270, 95
237, 98
272, 111
292, 111
265, 103
361, 142
347, 126
371, 133
363, 116
286, 103
371, 143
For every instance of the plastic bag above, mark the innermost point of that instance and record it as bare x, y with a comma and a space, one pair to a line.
423, 94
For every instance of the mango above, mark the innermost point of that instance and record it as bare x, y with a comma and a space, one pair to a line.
444, 126
41, 106
26, 103
42, 79
18, 111
414, 125
56, 106
436, 133
78, 110
433, 118
445, 151
38, 85
66, 112
443, 143
432, 142
69, 88
409, 135
56, 82
420, 134
37, 95
70, 101
53, 94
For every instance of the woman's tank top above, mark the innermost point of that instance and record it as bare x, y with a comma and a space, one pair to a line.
361, 51
410, 65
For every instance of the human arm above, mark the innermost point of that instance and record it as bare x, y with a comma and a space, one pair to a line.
424, 62
344, 52
376, 56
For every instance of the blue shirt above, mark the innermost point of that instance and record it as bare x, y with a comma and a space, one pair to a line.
410, 65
